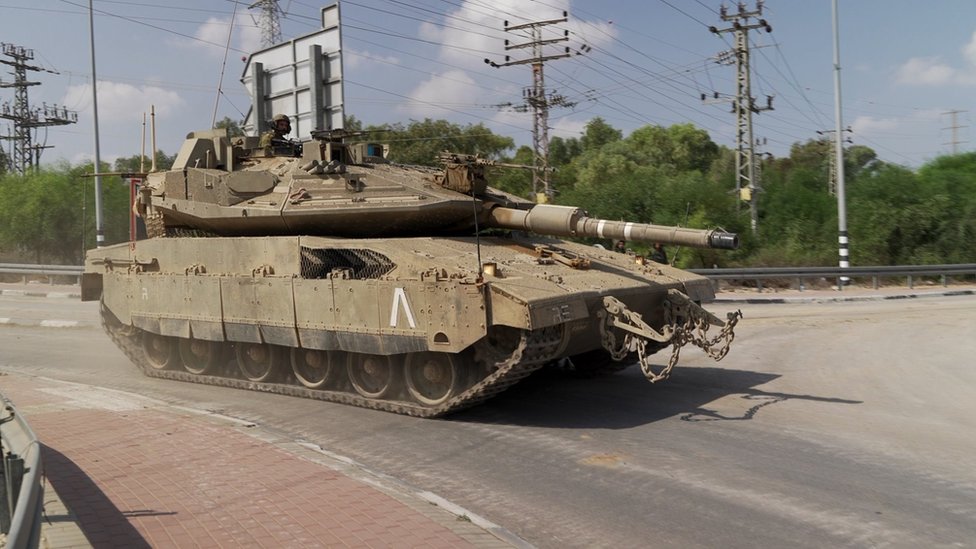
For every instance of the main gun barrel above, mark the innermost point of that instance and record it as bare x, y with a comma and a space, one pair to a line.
555, 220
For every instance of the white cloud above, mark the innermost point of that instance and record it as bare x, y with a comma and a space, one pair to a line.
880, 127
969, 50
211, 36
473, 27
353, 59
248, 37
934, 71
926, 71
123, 102
450, 88
567, 127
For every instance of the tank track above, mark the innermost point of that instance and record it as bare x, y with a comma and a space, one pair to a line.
533, 351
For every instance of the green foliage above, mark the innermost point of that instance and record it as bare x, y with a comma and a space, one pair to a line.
515, 181
352, 124
49, 215
135, 164
597, 134
421, 141
232, 126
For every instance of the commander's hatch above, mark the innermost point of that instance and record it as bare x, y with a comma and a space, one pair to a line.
301, 78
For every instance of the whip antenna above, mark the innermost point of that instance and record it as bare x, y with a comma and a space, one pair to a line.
220, 81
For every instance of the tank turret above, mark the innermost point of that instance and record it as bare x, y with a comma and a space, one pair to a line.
328, 187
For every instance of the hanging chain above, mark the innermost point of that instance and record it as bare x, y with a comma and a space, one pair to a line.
623, 331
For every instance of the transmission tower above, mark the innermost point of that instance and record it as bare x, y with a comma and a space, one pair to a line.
268, 20
955, 127
25, 154
744, 104
536, 97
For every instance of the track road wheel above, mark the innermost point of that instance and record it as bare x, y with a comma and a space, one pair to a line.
161, 352
373, 376
201, 356
258, 362
432, 378
313, 368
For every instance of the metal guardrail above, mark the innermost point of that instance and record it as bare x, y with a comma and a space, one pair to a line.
801, 274
21, 489
25, 270
757, 274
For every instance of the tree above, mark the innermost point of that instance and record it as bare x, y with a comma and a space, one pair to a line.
49, 214
352, 124
233, 127
598, 133
513, 180
136, 163
563, 151
420, 142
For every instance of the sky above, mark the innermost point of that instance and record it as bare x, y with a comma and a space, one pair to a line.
905, 65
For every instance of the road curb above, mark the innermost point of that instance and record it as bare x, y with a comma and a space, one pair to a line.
32, 293
46, 323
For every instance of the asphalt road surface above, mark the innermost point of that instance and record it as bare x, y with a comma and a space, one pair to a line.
841, 424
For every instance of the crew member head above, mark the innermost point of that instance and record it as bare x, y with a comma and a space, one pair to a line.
282, 125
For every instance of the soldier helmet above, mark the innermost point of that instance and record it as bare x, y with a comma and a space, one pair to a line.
279, 116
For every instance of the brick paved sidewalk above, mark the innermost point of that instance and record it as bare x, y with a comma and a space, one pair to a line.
138, 474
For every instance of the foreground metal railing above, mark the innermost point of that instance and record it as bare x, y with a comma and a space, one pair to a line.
802, 274
750, 274
21, 492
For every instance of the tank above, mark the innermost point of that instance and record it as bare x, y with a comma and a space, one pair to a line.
322, 270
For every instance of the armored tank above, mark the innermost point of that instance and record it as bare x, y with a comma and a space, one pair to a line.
321, 270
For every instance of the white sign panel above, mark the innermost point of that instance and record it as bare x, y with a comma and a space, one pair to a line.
301, 78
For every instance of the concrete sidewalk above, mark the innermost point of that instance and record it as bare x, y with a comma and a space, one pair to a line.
129, 471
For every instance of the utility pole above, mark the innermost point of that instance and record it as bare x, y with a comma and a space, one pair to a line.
832, 163
269, 21
26, 154
536, 97
744, 103
955, 127
839, 148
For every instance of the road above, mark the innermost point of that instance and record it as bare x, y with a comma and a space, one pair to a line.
840, 424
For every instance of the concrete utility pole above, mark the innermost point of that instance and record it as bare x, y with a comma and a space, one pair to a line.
955, 127
536, 96
99, 212
269, 21
839, 156
832, 158
25, 154
744, 104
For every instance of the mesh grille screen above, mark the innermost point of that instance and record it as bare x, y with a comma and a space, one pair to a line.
360, 263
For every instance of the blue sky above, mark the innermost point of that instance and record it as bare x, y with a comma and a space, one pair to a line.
904, 63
